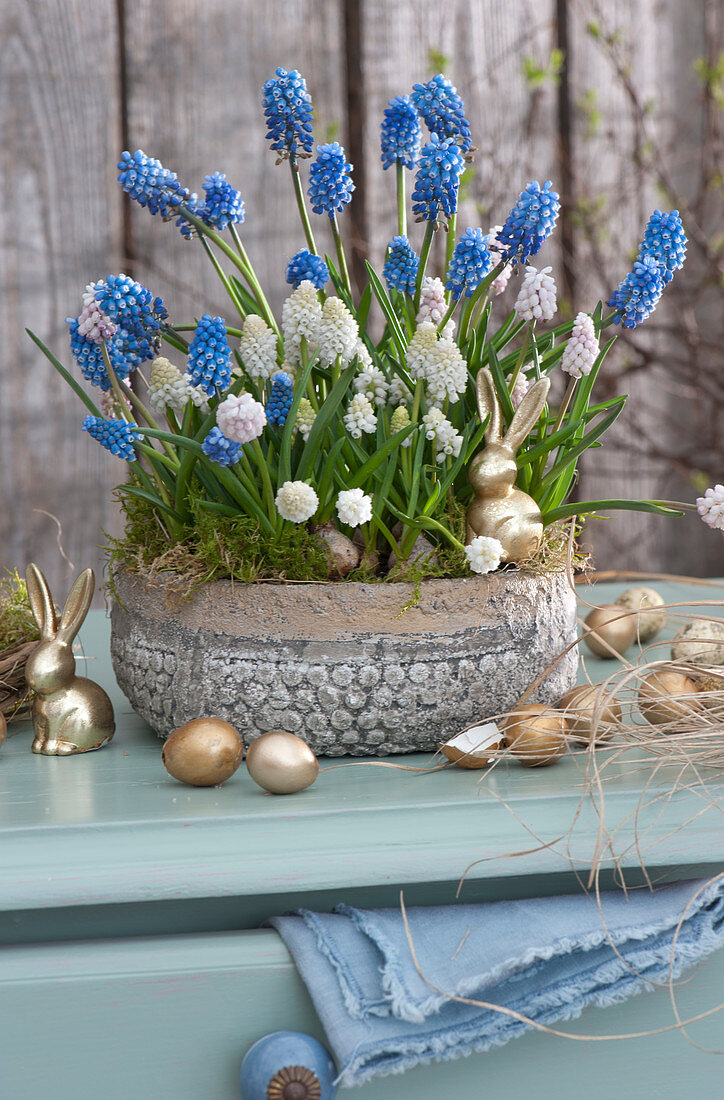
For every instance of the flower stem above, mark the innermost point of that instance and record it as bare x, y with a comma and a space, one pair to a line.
301, 205
401, 210
253, 281
450, 243
523, 355
424, 256
343, 271
450, 310
222, 275
567, 396
266, 480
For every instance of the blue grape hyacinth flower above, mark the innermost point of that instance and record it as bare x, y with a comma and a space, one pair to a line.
330, 183
401, 265
151, 185
305, 265
280, 400
117, 436
443, 110
209, 361
438, 180
289, 113
470, 263
222, 451
530, 222
665, 241
222, 205
400, 136
637, 296
89, 357
132, 307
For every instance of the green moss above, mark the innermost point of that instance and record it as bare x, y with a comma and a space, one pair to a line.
16, 619
217, 547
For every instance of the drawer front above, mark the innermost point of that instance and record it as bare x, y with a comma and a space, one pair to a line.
170, 1017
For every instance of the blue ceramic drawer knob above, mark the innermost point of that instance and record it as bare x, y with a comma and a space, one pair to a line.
287, 1065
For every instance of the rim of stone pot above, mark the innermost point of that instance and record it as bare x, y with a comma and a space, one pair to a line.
442, 605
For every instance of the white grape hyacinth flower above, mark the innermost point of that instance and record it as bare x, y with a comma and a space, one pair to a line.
484, 554
258, 348
519, 390
354, 507
446, 439
581, 351
536, 299
296, 501
301, 318
711, 507
372, 382
241, 418
92, 321
399, 392
338, 333
421, 346
433, 306
500, 282
446, 372
168, 388
305, 418
360, 416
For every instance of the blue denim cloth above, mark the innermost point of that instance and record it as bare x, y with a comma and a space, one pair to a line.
546, 958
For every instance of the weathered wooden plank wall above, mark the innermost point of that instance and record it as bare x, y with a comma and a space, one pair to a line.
181, 79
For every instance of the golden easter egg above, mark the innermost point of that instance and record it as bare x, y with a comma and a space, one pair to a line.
666, 695
535, 734
3, 728
203, 752
474, 747
588, 714
281, 762
611, 631
649, 622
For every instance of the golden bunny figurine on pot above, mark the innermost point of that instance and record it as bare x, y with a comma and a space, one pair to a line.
499, 510
70, 714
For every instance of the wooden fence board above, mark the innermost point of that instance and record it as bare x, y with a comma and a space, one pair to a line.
195, 72
59, 119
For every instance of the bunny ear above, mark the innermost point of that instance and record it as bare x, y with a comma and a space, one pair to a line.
41, 602
488, 405
527, 413
76, 606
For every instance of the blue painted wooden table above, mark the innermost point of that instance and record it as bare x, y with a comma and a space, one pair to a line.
132, 963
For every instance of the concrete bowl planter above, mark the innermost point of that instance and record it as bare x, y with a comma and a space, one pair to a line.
343, 665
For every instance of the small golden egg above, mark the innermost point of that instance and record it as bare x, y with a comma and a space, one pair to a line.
536, 735
203, 752
281, 762
665, 695
475, 747
612, 631
3, 728
584, 704
649, 622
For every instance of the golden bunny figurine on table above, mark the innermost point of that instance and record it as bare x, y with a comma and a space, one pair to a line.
70, 714
499, 510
